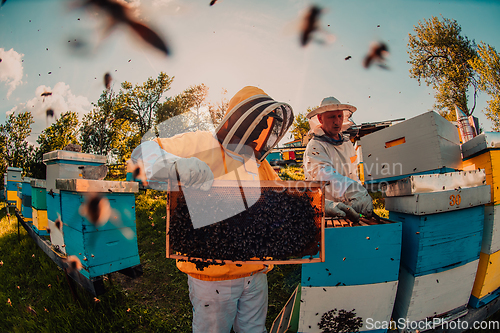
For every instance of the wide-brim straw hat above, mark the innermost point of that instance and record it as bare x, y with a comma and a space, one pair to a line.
330, 104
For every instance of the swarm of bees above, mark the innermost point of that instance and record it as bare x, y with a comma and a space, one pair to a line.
335, 321
281, 225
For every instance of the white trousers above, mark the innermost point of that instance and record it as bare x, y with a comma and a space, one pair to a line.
240, 303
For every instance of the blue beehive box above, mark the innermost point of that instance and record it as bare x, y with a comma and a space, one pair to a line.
26, 210
13, 179
110, 247
442, 216
360, 272
62, 164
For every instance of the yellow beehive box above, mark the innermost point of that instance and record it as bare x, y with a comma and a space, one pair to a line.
483, 152
487, 280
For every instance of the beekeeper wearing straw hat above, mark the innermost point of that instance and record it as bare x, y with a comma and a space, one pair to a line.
229, 295
330, 156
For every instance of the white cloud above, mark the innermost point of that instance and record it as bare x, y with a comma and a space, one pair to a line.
61, 100
11, 69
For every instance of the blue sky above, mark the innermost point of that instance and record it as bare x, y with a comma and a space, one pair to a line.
227, 46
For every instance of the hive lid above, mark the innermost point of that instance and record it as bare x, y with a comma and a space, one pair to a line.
439, 202
14, 169
39, 183
72, 156
93, 186
487, 140
434, 183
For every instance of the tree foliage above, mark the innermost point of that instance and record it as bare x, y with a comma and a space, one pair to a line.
487, 65
61, 133
218, 110
14, 147
300, 126
141, 102
441, 56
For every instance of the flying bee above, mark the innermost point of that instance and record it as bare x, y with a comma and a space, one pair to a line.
107, 80
138, 171
72, 264
120, 13
96, 209
377, 54
310, 24
46, 94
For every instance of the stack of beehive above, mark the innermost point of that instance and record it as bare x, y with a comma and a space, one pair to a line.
484, 152
442, 216
39, 206
13, 179
359, 275
26, 210
416, 162
63, 165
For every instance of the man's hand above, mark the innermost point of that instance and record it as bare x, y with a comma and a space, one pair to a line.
195, 173
339, 209
358, 198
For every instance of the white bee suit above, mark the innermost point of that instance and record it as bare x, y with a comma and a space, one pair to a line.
333, 163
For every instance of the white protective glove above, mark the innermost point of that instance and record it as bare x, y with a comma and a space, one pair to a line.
192, 171
339, 209
358, 198
159, 166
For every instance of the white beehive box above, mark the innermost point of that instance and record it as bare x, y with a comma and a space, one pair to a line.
62, 164
487, 140
439, 202
434, 183
423, 144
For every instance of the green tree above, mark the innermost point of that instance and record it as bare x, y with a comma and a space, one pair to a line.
14, 148
141, 102
300, 126
487, 65
61, 133
441, 56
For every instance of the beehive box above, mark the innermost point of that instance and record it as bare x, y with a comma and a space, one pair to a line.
483, 152
487, 283
342, 282
441, 295
19, 199
39, 206
62, 164
439, 202
434, 183
491, 232
108, 248
26, 210
247, 221
437, 242
427, 143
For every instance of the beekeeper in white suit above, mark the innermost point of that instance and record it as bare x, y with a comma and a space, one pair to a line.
330, 156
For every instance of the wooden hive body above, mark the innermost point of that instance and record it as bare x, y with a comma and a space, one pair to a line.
437, 242
427, 143
442, 295
342, 282
26, 199
39, 206
63, 164
487, 283
103, 249
13, 179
